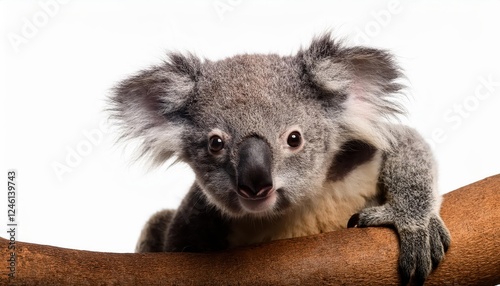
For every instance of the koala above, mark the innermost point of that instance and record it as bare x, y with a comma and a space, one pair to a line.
283, 147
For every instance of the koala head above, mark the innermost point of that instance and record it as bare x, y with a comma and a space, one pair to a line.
260, 131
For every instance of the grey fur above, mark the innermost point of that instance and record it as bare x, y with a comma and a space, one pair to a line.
350, 161
152, 238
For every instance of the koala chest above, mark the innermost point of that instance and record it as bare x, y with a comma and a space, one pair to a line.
329, 210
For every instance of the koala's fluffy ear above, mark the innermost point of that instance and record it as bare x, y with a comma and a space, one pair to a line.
150, 106
366, 78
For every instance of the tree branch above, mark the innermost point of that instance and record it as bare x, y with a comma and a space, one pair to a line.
349, 257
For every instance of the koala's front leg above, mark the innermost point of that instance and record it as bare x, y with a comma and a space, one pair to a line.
408, 177
196, 226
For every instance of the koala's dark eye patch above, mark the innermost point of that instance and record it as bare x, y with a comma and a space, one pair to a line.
294, 139
215, 144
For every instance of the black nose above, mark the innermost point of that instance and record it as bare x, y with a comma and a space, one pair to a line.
254, 169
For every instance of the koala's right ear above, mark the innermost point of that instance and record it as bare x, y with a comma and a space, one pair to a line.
367, 80
150, 106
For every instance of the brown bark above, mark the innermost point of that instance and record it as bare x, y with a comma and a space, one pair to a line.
348, 257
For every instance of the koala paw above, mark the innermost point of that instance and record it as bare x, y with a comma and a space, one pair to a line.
422, 247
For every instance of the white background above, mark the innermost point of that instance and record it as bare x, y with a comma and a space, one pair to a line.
59, 60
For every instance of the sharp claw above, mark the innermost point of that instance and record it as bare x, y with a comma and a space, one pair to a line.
353, 221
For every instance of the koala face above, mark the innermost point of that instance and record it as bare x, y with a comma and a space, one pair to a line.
259, 131
258, 137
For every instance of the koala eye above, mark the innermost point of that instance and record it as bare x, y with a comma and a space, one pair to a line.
215, 144
294, 139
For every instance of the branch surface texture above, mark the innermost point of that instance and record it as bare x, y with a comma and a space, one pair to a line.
365, 256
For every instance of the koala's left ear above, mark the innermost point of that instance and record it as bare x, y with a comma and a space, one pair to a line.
150, 106
366, 79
